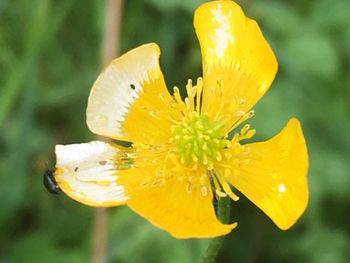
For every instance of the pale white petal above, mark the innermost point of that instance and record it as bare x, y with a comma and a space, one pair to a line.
87, 173
126, 94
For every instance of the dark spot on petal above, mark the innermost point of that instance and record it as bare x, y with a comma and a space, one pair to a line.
76, 169
102, 162
132, 86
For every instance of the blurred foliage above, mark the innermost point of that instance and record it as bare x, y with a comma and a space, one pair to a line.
50, 56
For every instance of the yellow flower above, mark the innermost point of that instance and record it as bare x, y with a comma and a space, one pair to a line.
181, 157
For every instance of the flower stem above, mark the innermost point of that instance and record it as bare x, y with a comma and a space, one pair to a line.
224, 205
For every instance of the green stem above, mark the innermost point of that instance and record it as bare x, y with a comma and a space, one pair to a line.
215, 244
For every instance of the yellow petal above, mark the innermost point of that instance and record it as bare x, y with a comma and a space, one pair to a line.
129, 100
273, 175
238, 64
168, 201
87, 173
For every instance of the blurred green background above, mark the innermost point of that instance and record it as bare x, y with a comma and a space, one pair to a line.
49, 58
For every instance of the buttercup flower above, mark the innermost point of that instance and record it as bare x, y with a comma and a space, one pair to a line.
181, 157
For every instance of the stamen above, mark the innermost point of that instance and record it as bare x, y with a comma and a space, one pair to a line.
199, 93
221, 183
189, 87
215, 181
181, 105
243, 117
245, 129
227, 188
188, 104
245, 162
199, 142
177, 95
245, 133
191, 92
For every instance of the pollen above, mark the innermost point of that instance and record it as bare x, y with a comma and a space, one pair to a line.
199, 140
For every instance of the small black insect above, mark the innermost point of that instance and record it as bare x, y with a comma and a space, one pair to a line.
50, 182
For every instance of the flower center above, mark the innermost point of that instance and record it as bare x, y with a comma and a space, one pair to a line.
199, 140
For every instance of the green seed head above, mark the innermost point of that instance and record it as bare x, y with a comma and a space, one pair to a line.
198, 140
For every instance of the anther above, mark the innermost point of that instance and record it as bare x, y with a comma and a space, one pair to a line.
189, 86
159, 173
241, 101
204, 191
188, 188
158, 182
219, 193
245, 129
250, 134
226, 187
239, 113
